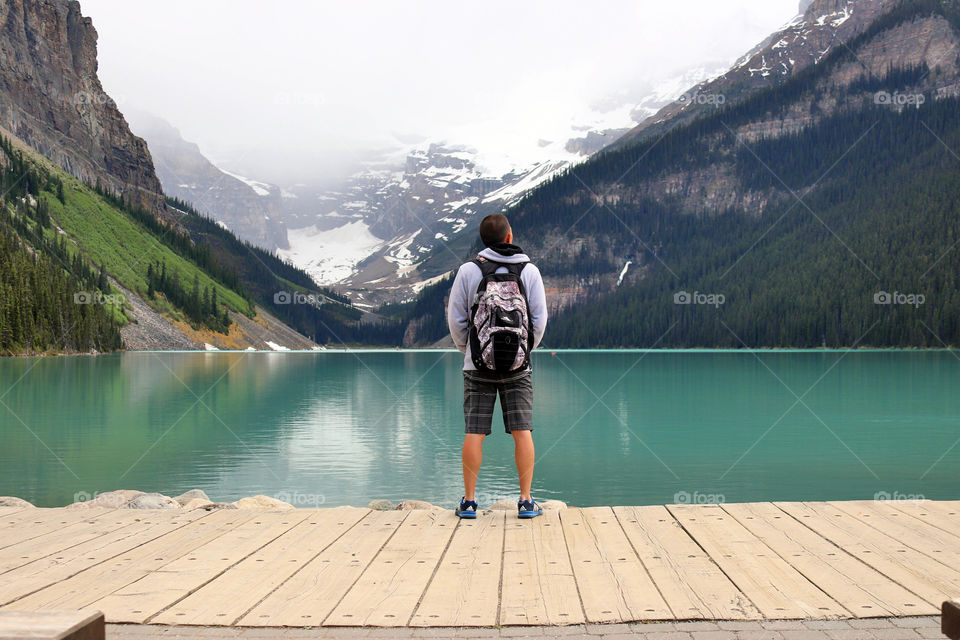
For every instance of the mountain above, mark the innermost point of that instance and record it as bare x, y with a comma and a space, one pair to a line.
95, 257
249, 209
368, 236
821, 26
51, 98
818, 210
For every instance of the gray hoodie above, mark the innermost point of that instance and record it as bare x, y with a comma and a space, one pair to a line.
465, 288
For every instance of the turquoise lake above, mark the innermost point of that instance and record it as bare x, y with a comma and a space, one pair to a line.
611, 427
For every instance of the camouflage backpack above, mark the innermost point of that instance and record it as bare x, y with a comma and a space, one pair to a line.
501, 332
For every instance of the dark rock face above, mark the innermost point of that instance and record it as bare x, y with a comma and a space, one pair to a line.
51, 98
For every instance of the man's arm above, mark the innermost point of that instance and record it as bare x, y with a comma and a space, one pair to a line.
458, 311
537, 301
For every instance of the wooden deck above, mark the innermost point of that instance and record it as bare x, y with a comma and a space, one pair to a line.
352, 567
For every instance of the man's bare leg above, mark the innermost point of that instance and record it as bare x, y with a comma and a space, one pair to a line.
472, 459
525, 455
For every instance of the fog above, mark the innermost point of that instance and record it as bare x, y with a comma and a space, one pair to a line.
296, 90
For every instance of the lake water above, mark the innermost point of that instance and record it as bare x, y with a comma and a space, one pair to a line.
621, 427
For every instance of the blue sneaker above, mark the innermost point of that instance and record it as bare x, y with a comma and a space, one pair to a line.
528, 509
467, 508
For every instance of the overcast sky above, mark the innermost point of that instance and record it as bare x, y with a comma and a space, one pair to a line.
296, 80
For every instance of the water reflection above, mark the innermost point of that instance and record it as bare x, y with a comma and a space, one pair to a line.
611, 427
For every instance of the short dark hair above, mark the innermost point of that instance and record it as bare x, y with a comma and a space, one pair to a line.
494, 228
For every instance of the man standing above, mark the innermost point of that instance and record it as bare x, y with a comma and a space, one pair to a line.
497, 315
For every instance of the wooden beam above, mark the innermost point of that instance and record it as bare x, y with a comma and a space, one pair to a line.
950, 619
52, 625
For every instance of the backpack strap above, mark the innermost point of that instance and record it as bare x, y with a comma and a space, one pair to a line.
489, 267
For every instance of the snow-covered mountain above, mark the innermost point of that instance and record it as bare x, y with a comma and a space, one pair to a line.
368, 236
819, 26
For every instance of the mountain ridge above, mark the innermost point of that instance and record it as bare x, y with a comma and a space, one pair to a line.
52, 99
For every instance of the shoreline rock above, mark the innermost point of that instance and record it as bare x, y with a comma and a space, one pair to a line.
198, 499
12, 501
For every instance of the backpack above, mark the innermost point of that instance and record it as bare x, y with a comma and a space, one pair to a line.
501, 332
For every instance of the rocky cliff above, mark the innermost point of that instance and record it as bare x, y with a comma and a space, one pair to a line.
250, 209
51, 98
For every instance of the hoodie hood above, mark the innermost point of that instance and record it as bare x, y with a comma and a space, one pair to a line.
493, 256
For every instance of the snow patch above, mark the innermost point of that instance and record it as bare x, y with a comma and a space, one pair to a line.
423, 284
332, 254
624, 272
259, 188
276, 347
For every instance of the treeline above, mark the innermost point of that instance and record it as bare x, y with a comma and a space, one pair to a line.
51, 299
43, 308
423, 319
180, 242
868, 258
201, 307
319, 313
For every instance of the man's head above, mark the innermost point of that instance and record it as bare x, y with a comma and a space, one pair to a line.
495, 228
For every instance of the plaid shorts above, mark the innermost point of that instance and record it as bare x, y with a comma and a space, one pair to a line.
480, 395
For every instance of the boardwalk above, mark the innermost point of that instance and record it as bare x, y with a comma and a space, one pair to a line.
356, 567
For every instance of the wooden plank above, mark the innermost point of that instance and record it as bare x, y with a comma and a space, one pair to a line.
862, 590
692, 584
100, 580
60, 538
465, 591
140, 600
538, 585
309, 596
30, 523
925, 538
389, 589
914, 571
226, 598
614, 585
52, 625
950, 620
23, 515
943, 515
772, 584
57, 567
9, 511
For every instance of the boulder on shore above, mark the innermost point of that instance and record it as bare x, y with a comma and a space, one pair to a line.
206, 505
111, 499
411, 505
11, 501
152, 501
193, 494
265, 503
381, 505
